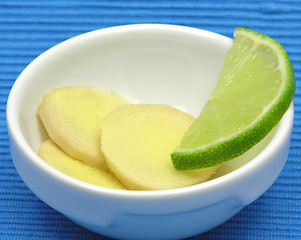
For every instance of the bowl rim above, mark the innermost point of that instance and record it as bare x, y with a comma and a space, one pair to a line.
282, 132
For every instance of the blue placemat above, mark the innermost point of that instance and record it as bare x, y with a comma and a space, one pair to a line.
28, 28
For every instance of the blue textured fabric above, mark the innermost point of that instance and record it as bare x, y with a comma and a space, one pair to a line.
28, 28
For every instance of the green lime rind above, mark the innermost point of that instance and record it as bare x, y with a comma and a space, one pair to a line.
232, 146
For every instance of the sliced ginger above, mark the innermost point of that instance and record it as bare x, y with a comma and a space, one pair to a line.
72, 117
101, 129
137, 141
58, 159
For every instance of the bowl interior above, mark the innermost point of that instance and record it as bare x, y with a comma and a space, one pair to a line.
171, 65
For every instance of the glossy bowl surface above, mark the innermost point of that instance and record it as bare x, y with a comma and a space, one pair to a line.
145, 63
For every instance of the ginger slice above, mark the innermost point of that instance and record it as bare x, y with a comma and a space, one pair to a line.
72, 116
57, 158
137, 141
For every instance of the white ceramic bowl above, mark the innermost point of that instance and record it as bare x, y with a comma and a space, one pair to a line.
144, 63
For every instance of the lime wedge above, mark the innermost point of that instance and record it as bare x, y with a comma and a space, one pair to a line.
254, 90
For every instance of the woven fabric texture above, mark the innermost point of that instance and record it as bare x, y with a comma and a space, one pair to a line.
28, 28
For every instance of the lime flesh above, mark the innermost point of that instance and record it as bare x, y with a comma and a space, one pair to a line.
254, 90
